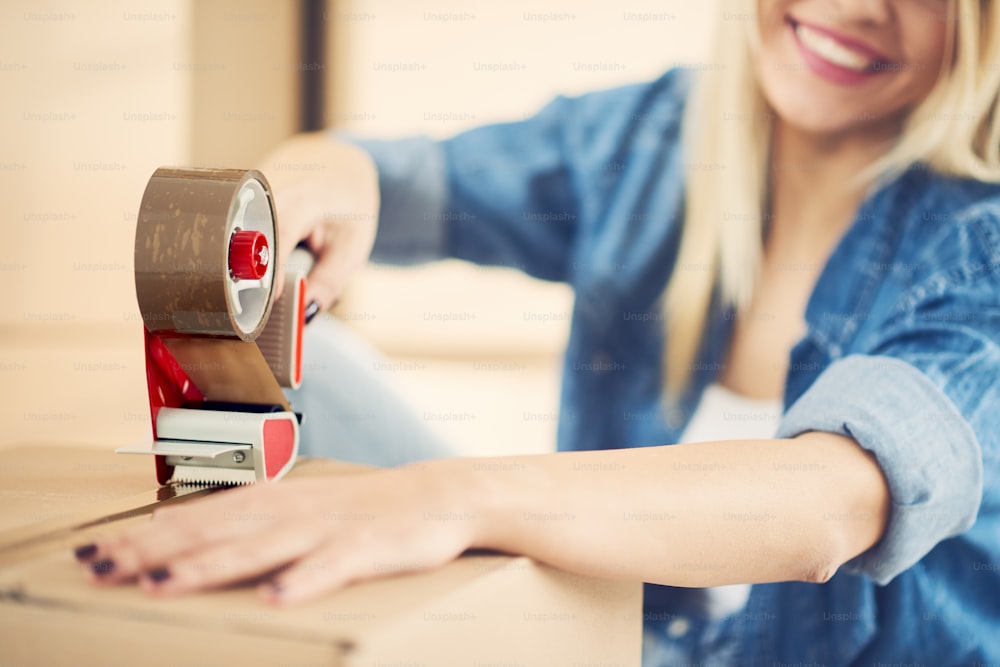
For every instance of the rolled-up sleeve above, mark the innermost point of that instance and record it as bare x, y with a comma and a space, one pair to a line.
924, 397
413, 186
928, 453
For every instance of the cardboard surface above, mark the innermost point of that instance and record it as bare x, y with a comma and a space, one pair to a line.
481, 609
46, 489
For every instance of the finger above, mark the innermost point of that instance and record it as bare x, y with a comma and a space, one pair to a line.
279, 281
326, 569
233, 561
342, 246
329, 276
292, 209
316, 240
177, 530
350, 559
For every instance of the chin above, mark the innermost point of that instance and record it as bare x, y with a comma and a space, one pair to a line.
821, 120
812, 109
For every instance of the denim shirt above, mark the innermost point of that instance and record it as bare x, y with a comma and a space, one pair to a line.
902, 354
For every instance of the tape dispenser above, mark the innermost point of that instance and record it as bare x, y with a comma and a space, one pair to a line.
219, 348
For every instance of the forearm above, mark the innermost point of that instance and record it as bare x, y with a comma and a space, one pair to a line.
688, 515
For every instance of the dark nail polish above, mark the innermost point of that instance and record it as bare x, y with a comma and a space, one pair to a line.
158, 575
103, 567
86, 552
312, 310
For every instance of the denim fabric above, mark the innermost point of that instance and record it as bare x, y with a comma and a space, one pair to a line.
902, 353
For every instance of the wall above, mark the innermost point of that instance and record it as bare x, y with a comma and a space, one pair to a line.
94, 100
95, 96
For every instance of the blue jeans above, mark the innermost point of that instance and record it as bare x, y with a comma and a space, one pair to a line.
352, 413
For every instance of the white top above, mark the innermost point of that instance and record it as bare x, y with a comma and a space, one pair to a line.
725, 415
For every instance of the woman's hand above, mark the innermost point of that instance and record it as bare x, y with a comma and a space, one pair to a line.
325, 192
306, 537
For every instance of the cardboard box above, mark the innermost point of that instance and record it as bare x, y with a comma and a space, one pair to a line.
480, 610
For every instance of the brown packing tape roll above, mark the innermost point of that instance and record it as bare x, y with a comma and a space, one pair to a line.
186, 294
185, 224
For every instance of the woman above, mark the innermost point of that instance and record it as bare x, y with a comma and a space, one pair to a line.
815, 209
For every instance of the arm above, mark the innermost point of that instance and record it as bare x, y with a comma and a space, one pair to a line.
507, 194
690, 515
702, 514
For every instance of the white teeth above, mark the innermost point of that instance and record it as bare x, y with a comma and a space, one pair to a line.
832, 50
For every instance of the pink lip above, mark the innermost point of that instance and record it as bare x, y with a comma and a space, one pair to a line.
835, 73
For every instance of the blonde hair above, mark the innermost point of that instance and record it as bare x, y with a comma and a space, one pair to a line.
955, 130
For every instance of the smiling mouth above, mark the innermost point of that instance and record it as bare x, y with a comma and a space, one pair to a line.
837, 53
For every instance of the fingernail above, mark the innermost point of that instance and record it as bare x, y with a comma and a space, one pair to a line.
103, 567
158, 575
86, 552
312, 310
